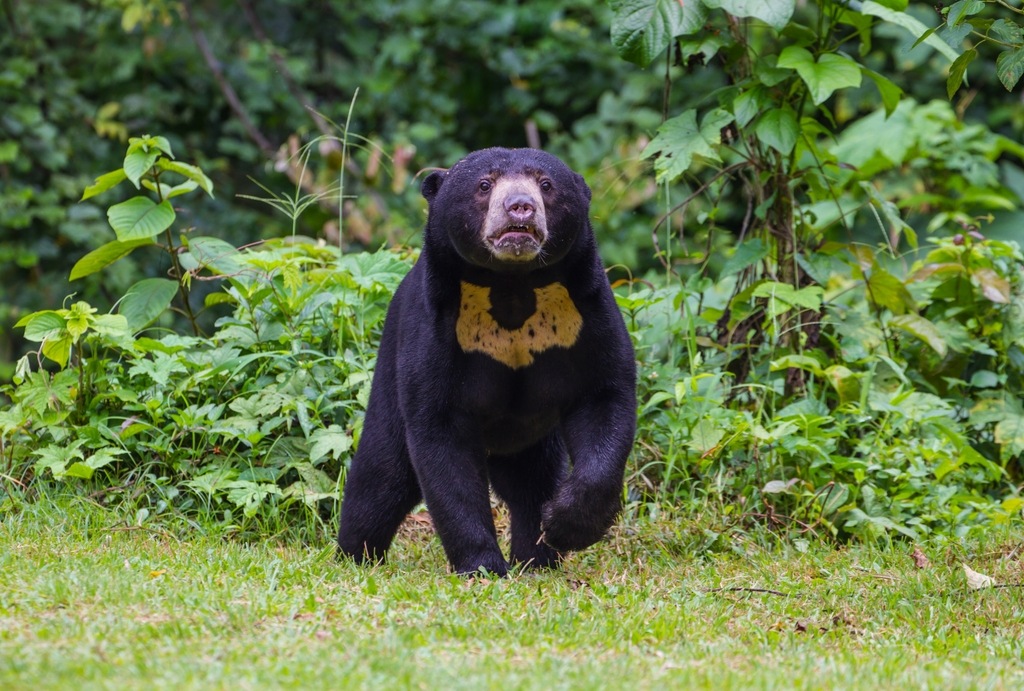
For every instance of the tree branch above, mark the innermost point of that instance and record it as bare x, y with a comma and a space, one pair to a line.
225, 88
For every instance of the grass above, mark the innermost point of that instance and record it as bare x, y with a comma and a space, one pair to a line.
87, 604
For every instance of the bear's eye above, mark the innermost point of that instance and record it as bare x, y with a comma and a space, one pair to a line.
485, 185
546, 185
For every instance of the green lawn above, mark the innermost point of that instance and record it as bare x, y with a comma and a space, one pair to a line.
85, 605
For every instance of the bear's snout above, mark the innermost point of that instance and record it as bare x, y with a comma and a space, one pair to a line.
520, 207
516, 225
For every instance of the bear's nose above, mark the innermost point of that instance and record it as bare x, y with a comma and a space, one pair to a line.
520, 207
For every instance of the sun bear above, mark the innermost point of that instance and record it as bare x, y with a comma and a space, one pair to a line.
504, 357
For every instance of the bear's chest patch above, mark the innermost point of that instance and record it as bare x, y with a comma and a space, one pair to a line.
553, 322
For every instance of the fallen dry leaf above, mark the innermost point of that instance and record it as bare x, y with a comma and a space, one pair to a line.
920, 560
975, 580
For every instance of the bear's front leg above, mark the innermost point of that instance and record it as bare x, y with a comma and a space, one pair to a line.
599, 436
452, 473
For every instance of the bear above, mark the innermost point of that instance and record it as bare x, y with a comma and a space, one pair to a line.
504, 357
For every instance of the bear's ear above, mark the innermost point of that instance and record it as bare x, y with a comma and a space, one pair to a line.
583, 184
432, 184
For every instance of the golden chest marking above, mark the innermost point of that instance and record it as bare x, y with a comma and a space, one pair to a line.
555, 323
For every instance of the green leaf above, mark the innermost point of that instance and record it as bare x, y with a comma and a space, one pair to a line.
162, 144
191, 172
708, 45
104, 183
955, 36
140, 217
925, 35
845, 382
891, 213
778, 129
891, 94
58, 349
805, 298
105, 256
958, 70
829, 73
138, 164
887, 291
679, 140
56, 458
332, 440
1010, 67
641, 29
183, 188
210, 253
818, 266
774, 13
915, 27
146, 300
706, 436
750, 252
923, 329
746, 106
42, 324
804, 362
1009, 434
961, 9
1007, 31
768, 73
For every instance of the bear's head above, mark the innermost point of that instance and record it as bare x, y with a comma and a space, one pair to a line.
509, 209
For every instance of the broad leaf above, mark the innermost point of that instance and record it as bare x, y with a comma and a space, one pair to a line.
993, 286
748, 253
104, 183
138, 164
747, 105
1009, 434
805, 298
887, 291
43, 324
774, 13
845, 382
961, 9
641, 29
1010, 67
332, 440
915, 27
210, 253
958, 70
139, 218
778, 129
105, 256
680, 139
891, 94
1007, 31
191, 172
146, 300
829, 73
58, 349
923, 329
706, 436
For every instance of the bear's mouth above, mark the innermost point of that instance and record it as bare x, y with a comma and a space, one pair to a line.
517, 242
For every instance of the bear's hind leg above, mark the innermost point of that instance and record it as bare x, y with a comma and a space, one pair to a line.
525, 481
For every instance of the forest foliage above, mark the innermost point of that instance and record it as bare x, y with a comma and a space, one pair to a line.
811, 215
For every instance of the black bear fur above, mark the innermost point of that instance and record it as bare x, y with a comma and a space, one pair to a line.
450, 415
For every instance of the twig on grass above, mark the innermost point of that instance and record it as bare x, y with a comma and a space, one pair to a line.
752, 590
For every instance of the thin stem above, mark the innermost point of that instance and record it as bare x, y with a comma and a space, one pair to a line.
178, 273
341, 174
